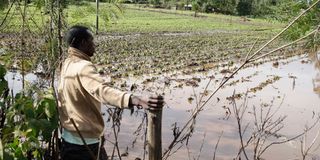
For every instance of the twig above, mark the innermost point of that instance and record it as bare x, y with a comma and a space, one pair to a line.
114, 125
216, 146
286, 45
188, 151
237, 116
250, 50
204, 137
281, 142
305, 151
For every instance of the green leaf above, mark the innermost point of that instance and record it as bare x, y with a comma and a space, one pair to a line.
2, 71
29, 112
3, 85
35, 125
46, 128
50, 107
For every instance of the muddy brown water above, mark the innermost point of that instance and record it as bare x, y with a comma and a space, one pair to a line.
296, 92
295, 95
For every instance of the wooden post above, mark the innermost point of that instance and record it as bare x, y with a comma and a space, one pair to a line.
154, 134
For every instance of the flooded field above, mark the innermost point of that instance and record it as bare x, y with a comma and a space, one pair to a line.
290, 87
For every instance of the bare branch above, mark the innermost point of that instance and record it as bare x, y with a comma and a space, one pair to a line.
216, 146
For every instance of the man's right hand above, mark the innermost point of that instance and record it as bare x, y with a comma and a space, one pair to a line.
152, 102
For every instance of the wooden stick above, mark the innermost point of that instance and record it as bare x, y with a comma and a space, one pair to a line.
154, 134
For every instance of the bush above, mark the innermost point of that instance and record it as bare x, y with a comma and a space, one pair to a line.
244, 8
225, 6
27, 121
207, 7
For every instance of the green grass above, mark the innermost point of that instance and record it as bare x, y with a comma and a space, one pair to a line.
160, 20
35, 19
138, 20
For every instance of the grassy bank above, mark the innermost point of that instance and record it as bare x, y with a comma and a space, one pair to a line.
134, 19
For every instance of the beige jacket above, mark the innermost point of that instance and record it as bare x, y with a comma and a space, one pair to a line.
80, 94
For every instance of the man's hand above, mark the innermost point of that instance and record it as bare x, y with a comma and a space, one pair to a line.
152, 102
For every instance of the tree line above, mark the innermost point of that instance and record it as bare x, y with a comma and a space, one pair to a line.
276, 9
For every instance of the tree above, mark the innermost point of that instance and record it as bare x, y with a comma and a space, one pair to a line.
225, 6
196, 7
244, 7
3, 4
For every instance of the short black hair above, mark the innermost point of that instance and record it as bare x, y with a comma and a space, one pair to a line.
76, 34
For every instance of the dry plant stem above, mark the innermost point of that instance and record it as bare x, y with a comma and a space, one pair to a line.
239, 119
59, 28
23, 42
116, 146
205, 90
176, 139
216, 146
293, 138
251, 50
194, 114
265, 126
305, 151
196, 97
115, 133
201, 147
188, 151
286, 45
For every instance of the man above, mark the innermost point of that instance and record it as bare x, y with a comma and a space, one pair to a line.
80, 94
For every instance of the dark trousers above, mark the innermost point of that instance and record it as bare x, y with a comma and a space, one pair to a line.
71, 151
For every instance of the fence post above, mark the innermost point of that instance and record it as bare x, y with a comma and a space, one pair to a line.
154, 133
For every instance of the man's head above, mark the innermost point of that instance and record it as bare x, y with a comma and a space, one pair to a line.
80, 37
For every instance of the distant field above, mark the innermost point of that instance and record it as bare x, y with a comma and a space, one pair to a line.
135, 19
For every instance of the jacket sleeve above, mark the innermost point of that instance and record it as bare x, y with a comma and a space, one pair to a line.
96, 86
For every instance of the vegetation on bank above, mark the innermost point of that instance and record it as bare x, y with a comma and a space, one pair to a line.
133, 19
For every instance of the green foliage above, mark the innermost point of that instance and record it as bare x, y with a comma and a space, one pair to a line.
86, 13
264, 10
156, 3
3, 4
30, 118
287, 9
207, 7
137, 21
307, 23
196, 5
225, 6
244, 7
